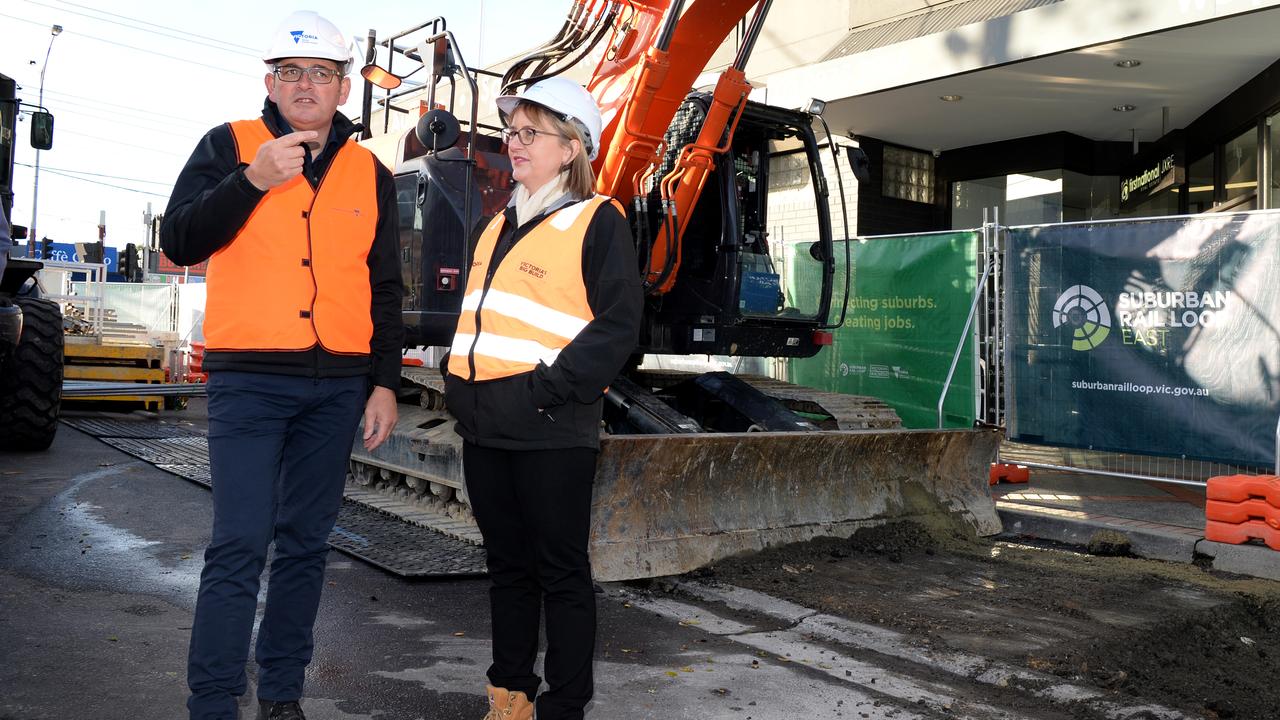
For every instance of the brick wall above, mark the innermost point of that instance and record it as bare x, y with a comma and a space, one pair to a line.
792, 215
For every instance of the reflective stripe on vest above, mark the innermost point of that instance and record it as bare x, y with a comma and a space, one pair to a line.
536, 302
297, 274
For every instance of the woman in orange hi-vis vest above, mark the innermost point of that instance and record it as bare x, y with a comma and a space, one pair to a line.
550, 315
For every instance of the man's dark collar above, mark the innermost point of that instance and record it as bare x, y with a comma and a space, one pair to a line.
339, 130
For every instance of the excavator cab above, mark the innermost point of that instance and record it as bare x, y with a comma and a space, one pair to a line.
735, 292
737, 287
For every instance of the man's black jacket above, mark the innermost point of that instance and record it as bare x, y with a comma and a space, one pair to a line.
211, 201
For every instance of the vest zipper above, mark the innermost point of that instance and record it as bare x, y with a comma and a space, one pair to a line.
311, 254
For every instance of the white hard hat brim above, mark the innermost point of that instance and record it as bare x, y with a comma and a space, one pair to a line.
507, 104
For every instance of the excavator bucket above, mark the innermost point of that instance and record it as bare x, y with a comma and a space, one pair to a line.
668, 504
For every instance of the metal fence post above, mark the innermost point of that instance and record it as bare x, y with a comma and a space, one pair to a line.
978, 293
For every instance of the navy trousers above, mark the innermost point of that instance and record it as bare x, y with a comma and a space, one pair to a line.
534, 511
278, 449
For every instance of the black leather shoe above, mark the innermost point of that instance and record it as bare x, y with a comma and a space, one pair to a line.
271, 710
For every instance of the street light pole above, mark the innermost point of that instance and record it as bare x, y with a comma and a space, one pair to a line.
33, 238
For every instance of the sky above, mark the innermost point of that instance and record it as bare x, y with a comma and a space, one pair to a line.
134, 84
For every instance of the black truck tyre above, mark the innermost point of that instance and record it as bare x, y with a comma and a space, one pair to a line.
31, 384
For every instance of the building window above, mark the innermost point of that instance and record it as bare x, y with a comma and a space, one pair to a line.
1030, 198
908, 175
1240, 171
1200, 185
1274, 169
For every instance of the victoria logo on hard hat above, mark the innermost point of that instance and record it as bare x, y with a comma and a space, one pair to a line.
300, 35
1082, 309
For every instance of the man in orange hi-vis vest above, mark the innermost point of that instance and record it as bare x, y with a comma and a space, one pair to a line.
550, 315
303, 335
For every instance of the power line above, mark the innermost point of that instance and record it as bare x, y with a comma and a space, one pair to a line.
118, 117
133, 47
138, 120
129, 108
95, 182
85, 172
135, 27
253, 51
134, 124
115, 141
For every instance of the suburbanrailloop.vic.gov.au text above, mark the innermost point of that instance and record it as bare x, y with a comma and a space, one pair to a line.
1130, 387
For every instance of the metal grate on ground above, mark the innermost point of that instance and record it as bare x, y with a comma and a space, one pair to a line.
379, 538
102, 427
164, 450
198, 474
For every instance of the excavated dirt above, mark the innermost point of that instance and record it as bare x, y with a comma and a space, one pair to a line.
1170, 633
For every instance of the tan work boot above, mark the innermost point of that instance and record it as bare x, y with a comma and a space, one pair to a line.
507, 705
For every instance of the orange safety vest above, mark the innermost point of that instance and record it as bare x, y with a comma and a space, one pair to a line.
536, 302
296, 274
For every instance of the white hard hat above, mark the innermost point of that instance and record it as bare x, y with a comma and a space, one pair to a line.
304, 34
565, 98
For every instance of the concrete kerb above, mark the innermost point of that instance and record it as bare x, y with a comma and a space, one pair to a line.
1262, 562
1168, 542
1156, 543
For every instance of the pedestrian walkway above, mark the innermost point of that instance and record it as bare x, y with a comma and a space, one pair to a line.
1161, 521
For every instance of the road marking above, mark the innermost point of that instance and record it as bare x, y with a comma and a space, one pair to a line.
807, 624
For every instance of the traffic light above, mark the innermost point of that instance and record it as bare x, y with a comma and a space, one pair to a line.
46, 249
130, 265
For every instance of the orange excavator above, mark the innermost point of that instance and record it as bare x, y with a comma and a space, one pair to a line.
693, 467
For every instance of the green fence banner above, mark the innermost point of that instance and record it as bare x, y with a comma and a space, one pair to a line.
908, 301
1159, 336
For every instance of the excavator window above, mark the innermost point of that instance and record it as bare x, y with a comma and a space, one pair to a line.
410, 236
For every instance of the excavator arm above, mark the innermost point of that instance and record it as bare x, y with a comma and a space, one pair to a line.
653, 67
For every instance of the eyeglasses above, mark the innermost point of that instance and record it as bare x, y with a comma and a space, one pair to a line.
292, 74
526, 134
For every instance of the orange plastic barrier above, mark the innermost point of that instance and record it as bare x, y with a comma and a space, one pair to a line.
1237, 533
1255, 509
1238, 488
1006, 472
411, 362
1240, 508
195, 364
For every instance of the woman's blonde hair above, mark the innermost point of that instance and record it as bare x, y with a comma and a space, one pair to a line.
581, 182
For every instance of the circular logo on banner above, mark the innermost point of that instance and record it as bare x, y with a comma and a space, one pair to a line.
1082, 308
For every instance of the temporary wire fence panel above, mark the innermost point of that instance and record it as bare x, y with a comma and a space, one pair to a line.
1152, 337
908, 301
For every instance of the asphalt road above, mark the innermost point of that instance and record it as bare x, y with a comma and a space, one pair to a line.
100, 557
99, 565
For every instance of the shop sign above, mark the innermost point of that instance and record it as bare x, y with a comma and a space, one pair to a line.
1153, 171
